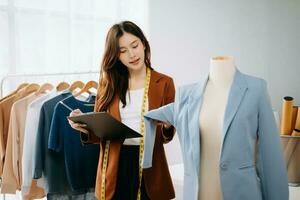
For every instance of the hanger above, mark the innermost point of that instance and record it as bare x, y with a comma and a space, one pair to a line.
33, 87
75, 85
87, 87
22, 86
62, 86
44, 88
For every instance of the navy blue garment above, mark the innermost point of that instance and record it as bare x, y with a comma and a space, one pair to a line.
81, 161
47, 163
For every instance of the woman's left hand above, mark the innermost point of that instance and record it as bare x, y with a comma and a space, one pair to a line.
165, 124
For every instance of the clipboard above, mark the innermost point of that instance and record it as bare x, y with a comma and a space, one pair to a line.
105, 126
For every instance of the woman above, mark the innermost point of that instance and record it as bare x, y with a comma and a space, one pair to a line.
128, 88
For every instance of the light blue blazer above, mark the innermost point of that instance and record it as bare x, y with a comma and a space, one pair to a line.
251, 162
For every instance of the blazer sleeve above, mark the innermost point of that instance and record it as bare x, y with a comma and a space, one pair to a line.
168, 133
89, 138
163, 114
270, 164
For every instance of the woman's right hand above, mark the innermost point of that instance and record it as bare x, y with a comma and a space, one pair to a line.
77, 126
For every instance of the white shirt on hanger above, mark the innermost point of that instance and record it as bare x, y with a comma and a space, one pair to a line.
30, 133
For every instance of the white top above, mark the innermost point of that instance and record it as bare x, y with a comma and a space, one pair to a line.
131, 113
31, 129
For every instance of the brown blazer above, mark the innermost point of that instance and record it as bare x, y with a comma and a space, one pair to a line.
157, 179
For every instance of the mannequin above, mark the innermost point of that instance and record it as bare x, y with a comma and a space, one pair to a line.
228, 136
221, 75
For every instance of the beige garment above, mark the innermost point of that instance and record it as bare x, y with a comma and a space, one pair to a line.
12, 173
5, 107
211, 123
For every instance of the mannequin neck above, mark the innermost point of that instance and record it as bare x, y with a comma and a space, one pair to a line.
222, 71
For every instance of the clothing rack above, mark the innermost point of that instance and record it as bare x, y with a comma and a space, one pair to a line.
64, 74
45, 75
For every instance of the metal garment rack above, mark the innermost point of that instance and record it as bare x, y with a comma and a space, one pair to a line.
63, 75
42, 75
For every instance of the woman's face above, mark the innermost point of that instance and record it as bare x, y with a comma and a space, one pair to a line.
132, 52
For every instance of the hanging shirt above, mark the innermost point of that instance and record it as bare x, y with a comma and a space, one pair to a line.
12, 176
81, 161
5, 109
46, 163
4, 120
31, 128
131, 113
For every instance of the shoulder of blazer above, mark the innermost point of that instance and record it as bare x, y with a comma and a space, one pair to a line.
156, 76
254, 83
184, 92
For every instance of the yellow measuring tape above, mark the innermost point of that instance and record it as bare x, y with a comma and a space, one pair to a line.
142, 128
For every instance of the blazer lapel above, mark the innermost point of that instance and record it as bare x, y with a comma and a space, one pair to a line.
236, 94
154, 96
194, 105
155, 92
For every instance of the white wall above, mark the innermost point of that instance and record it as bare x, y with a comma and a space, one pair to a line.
263, 36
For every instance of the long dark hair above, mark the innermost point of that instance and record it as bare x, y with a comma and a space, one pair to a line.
114, 74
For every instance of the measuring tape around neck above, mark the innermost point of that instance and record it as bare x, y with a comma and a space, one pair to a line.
141, 151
